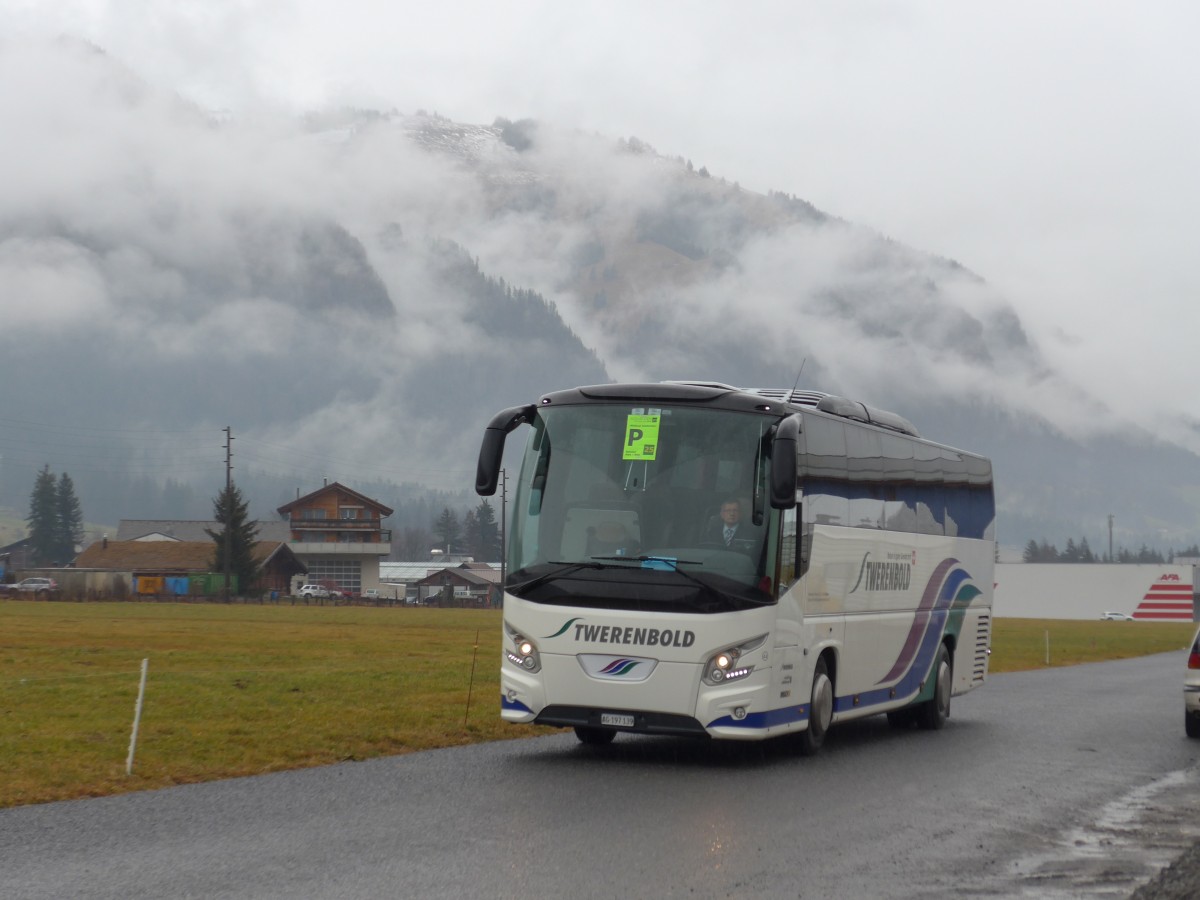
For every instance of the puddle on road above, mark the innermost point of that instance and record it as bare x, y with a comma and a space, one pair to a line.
1131, 841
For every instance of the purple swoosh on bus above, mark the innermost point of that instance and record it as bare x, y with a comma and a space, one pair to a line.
920, 621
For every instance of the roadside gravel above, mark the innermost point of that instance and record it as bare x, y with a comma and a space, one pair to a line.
1178, 881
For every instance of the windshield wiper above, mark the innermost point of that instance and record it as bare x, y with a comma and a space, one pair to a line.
703, 585
564, 568
669, 560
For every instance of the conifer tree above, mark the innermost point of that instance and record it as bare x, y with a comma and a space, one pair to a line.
69, 518
229, 509
1085, 552
43, 519
470, 534
489, 533
447, 530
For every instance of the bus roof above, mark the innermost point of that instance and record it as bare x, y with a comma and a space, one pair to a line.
728, 397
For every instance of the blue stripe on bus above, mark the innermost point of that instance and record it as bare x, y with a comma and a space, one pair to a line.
767, 719
516, 705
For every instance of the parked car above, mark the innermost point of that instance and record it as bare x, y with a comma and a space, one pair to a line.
39, 587
314, 591
1191, 690
1116, 617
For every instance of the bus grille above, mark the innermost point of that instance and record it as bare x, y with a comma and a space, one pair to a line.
982, 640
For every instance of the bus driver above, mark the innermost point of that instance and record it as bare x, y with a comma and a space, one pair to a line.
728, 527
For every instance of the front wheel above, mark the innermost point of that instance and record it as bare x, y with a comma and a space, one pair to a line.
933, 713
1191, 724
820, 712
594, 737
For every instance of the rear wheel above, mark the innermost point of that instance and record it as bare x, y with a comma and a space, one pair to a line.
1191, 724
595, 737
820, 712
933, 713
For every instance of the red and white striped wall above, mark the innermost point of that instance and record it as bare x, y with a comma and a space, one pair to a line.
1169, 598
1087, 591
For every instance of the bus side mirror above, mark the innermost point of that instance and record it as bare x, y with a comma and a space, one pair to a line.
783, 463
491, 451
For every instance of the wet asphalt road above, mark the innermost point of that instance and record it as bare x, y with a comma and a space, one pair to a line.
1070, 782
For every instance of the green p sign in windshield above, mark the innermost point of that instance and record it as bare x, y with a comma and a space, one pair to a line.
641, 437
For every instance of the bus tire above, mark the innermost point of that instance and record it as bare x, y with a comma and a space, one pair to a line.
820, 712
933, 713
594, 737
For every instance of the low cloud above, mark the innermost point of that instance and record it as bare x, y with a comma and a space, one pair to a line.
175, 248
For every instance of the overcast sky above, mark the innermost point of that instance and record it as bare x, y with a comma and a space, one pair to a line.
1050, 147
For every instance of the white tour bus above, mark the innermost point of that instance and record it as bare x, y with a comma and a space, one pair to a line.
858, 580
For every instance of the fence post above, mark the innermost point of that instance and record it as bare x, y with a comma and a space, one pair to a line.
471, 683
137, 718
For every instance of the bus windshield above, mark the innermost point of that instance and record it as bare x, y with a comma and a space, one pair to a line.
655, 508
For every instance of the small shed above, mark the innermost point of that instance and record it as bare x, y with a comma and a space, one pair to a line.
185, 567
471, 584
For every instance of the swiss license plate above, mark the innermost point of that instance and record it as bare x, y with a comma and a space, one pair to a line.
617, 720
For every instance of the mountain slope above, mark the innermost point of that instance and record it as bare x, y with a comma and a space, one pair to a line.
355, 292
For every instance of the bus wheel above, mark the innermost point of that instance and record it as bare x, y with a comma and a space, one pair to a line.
820, 712
595, 737
932, 714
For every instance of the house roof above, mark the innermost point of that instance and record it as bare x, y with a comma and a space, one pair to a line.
336, 486
412, 572
191, 530
16, 545
469, 576
181, 556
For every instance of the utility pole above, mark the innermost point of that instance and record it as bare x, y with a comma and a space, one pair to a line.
1110, 553
228, 505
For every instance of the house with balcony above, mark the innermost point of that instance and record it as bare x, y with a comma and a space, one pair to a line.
338, 534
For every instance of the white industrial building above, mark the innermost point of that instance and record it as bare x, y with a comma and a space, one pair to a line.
1149, 592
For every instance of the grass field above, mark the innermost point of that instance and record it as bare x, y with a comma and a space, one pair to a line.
245, 689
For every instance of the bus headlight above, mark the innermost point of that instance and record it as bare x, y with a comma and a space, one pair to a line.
523, 653
730, 664
723, 667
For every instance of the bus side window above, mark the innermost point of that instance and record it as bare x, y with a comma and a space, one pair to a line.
824, 472
864, 464
928, 492
900, 499
789, 551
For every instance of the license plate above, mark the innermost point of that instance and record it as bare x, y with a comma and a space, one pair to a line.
617, 720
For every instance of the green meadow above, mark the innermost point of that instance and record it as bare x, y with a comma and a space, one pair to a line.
245, 689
